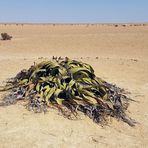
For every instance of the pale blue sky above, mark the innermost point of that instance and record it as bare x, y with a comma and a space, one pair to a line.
73, 11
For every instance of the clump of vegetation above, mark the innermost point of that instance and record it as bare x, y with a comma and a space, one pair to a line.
116, 25
5, 36
69, 86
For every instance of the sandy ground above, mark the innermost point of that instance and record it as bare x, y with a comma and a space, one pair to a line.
118, 54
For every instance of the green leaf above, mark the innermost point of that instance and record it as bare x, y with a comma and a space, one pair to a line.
24, 81
57, 92
47, 90
88, 93
59, 101
38, 87
48, 96
79, 69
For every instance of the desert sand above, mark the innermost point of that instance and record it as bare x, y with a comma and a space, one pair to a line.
118, 54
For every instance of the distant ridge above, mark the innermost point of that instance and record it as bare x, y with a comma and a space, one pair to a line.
136, 24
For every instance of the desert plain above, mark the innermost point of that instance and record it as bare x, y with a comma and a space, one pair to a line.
118, 54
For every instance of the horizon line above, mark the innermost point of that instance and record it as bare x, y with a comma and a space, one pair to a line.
82, 23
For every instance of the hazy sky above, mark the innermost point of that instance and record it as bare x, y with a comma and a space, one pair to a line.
73, 11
